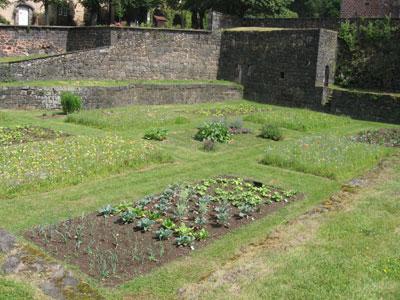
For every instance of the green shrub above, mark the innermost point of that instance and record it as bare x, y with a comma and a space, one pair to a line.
3, 20
70, 102
271, 132
216, 131
369, 55
156, 134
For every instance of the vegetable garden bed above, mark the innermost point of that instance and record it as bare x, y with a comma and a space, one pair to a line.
121, 242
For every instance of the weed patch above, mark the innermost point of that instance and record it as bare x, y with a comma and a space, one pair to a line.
297, 119
327, 156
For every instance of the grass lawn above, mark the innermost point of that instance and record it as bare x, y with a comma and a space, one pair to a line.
9, 59
320, 266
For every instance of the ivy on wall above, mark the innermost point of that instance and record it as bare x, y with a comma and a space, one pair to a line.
369, 55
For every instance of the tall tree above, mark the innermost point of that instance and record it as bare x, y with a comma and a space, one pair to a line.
317, 8
241, 8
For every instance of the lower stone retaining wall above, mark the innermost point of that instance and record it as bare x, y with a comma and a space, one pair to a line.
366, 106
103, 97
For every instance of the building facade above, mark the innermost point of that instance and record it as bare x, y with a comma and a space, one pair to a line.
27, 12
370, 8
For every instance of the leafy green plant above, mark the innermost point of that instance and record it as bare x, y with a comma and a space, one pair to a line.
201, 234
70, 102
163, 205
185, 240
145, 224
183, 229
128, 216
223, 214
271, 132
153, 215
169, 224
123, 207
156, 134
107, 211
216, 131
142, 203
245, 210
164, 234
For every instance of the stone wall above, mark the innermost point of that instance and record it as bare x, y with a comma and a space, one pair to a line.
279, 66
365, 106
18, 40
135, 54
102, 97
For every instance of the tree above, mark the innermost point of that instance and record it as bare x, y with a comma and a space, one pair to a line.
93, 7
4, 3
46, 4
317, 8
259, 8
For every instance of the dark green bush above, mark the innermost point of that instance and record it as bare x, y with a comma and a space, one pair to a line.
156, 134
271, 132
70, 102
216, 131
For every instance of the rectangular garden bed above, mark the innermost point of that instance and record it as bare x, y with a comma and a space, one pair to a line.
121, 242
26, 134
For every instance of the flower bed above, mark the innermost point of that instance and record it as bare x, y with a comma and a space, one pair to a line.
127, 240
25, 134
389, 137
69, 161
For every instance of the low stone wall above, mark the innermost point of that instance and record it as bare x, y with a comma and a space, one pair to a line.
365, 106
103, 97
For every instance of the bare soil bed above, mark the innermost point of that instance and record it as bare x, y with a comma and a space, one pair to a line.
121, 242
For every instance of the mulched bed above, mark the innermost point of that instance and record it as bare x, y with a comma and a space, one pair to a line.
106, 248
26, 134
389, 137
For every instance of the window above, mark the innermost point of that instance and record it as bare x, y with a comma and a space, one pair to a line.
282, 75
63, 11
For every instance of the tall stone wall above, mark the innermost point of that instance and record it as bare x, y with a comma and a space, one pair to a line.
134, 54
278, 66
103, 97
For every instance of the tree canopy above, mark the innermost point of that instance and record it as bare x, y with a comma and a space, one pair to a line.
317, 8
